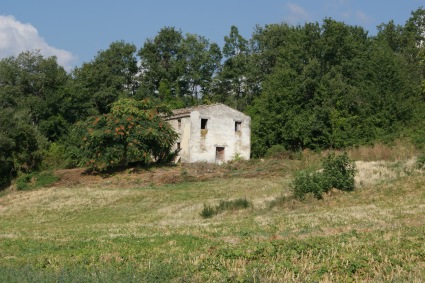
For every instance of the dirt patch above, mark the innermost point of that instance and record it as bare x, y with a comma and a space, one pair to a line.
129, 178
155, 176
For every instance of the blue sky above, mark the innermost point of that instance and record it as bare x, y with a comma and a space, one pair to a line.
75, 31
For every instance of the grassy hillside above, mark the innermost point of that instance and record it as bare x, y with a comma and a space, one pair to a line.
133, 228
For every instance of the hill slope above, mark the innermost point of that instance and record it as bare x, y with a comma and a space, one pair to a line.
103, 232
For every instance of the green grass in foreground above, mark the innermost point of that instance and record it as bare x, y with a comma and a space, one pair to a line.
156, 234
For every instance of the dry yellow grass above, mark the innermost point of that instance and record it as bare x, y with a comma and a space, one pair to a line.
374, 233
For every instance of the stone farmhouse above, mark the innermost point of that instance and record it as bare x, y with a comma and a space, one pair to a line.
211, 133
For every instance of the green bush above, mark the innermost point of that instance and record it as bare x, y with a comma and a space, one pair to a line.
338, 172
307, 181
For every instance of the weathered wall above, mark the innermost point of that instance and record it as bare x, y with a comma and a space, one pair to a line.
199, 145
220, 133
184, 136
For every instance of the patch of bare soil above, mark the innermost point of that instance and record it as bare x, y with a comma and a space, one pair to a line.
153, 176
124, 179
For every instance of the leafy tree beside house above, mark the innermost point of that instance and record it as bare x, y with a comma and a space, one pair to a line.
132, 132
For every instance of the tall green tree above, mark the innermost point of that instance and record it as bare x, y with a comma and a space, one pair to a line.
234, 86
34, 83
178, 69
109, 76
334, 89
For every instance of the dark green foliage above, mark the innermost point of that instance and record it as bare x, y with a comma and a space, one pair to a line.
338, 172
308, 181
234, 85
225, 205
110, 76
332, 86
34, 84
133, 132
208, 211
20, 146
178, 69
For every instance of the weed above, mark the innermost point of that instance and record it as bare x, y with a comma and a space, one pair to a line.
237, 157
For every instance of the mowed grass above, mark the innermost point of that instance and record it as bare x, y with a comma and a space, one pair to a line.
156, 234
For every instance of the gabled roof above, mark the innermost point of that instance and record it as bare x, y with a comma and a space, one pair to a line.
185, 112
188, 110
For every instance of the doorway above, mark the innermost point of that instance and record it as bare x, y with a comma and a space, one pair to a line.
219, 155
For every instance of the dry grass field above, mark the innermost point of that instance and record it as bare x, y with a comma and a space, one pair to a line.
145, 225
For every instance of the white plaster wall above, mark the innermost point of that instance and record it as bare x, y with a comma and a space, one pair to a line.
220, 133
199, 146
184, 137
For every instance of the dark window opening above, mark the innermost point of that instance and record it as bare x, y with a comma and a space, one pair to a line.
204, 124
179, 123
178, 146
238, 126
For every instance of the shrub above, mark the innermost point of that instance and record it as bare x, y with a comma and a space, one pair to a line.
338, 172
306, 182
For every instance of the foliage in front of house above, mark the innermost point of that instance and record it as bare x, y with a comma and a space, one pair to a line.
133, 132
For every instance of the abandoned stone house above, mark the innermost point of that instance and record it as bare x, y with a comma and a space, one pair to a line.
211, 133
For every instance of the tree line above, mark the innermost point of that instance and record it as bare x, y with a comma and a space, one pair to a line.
317, 85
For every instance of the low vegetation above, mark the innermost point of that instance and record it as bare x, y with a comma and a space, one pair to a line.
113, 230
225, 205
338, 172
35, 180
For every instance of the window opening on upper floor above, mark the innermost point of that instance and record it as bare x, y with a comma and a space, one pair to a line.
204, 123
238, 126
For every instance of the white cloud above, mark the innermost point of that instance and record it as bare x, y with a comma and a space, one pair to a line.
17, 37
297, 14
